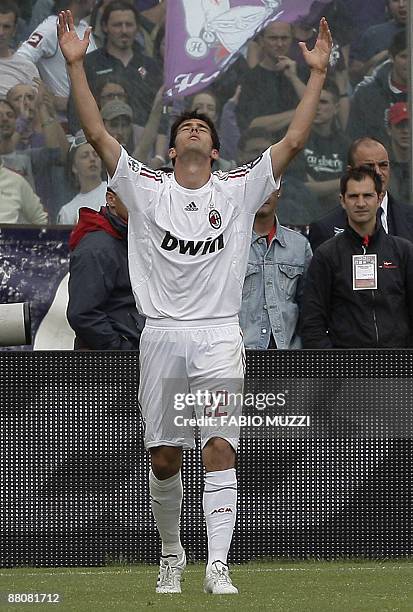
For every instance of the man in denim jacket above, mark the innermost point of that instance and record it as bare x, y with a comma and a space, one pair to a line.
273, 286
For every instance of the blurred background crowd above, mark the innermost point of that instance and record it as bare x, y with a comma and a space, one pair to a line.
48, 171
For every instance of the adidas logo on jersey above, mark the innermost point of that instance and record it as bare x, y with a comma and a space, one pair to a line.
201, 247
191, 206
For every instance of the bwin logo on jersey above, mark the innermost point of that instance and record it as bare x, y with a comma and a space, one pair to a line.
190, 247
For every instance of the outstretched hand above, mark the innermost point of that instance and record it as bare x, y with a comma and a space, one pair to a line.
73, 48
318, 57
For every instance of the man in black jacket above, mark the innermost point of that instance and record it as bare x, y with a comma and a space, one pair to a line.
359, 290
102, 308
396, 218
121, 56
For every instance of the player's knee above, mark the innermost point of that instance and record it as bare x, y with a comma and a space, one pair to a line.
166, 461
218, 454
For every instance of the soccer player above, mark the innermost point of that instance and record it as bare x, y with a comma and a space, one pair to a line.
189, 235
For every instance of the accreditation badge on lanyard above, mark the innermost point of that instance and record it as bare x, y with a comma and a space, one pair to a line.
364, 272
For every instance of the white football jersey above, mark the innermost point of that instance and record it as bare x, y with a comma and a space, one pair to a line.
188, 248
42, 48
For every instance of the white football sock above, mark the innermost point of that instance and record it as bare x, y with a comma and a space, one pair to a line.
166, 501
220, 509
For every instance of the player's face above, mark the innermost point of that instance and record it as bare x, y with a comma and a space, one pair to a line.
7, 121
193, 136
86, 163
276, 40
23, 97
360, 201
121, 29
374, 155
205, 104
7, 29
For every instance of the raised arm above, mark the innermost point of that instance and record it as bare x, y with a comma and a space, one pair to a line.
74, 50
282, 152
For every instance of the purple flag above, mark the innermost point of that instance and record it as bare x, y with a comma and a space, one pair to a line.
203, 37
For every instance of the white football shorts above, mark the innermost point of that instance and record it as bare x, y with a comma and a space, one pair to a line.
191, 373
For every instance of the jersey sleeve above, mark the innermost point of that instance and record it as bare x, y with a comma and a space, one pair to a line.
41, 43
251, 185
134, 183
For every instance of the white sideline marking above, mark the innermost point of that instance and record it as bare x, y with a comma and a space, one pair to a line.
237, 569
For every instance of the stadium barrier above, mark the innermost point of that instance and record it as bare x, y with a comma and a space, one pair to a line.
336, 484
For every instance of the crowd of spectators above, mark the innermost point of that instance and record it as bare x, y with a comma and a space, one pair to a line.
258, 93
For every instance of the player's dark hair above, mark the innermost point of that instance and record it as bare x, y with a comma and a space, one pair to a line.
398, 43
358, 174
118, 5
8, 6
198, 116
355, 145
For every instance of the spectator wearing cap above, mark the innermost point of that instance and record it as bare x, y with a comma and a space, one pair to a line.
376, 93
117, 117
398, 127
84, 169
121, 55
138, 141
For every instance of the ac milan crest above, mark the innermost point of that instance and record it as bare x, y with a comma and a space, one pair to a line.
215, 219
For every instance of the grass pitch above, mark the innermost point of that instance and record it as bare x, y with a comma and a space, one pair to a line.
302, 586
